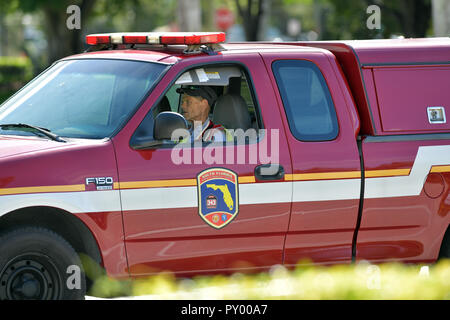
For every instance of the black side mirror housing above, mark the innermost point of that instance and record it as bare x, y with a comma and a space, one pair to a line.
164, 127
166, 123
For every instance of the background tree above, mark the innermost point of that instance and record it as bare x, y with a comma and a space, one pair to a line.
6, 7
346, 19
60, 40
96, 16
252, 15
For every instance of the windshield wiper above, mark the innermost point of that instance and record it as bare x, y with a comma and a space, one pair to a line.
33, 129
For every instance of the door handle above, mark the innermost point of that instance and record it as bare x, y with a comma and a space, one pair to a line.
269, 171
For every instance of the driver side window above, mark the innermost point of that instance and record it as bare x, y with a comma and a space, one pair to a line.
232, 107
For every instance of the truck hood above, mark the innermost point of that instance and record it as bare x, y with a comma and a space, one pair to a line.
14, 145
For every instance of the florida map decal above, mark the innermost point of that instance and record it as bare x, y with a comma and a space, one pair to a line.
218, 199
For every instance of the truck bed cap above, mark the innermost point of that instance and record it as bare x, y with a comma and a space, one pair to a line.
391, 51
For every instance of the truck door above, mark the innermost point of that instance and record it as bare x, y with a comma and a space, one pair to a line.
321, 129
175, 209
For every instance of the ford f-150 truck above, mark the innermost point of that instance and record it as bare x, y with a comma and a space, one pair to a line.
335, 152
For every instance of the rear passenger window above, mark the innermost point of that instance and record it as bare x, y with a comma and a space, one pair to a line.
306, 99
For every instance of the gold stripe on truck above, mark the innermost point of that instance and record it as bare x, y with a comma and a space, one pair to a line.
346, 175
435, 169
242, 180
171, 183
43, 189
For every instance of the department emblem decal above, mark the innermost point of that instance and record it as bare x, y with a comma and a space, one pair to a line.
218, 200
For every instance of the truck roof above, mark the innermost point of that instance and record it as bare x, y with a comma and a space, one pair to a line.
174, 53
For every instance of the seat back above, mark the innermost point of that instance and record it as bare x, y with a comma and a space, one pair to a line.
231, 112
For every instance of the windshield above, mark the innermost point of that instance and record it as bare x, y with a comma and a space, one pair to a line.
81, 98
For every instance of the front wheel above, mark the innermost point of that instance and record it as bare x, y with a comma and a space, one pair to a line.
38, 264
445, 247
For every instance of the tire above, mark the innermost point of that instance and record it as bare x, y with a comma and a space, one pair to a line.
445, 247
38, 264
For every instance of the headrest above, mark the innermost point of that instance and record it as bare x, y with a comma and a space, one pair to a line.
231, 112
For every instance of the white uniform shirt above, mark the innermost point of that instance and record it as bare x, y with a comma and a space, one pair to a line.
208, 135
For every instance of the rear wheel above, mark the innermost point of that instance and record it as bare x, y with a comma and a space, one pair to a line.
38, 264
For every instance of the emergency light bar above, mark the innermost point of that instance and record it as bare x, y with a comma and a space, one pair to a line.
167, 38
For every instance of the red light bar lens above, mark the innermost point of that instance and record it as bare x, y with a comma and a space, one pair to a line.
180, 38
172, 40
135, 39
97, 39
212, 38
193, 39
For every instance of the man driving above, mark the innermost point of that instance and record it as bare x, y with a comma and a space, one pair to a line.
196, 104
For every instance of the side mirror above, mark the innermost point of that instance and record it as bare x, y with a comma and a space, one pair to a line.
165, 126
166, 123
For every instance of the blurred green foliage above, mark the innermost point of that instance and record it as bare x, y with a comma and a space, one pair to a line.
38, 28
361, 281
346, 19
15, 72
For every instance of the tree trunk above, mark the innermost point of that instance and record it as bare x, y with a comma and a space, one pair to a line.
422, 14
58, 37
413, 15
252, 21
77, 43
189, 15
441, 18
61, 41
3, 36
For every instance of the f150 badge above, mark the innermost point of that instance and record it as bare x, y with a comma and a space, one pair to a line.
218, 200
101, 183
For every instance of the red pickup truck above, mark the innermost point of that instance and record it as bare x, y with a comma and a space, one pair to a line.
332, 151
